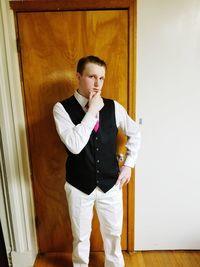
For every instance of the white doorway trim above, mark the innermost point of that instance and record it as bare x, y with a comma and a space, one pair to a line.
18, 217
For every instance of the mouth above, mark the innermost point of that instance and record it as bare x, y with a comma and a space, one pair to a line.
96, 90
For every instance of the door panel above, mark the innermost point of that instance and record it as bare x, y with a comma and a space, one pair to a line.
51, 43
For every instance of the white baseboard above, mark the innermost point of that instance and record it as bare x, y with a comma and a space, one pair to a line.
25, 259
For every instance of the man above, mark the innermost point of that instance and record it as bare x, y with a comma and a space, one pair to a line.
87, 124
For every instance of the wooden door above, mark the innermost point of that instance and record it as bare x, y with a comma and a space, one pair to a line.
51, 43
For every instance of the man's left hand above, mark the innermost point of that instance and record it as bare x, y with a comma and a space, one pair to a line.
124, 176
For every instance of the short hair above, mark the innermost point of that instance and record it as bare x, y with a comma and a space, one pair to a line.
89, 59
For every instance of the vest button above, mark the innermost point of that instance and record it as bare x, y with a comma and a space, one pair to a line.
96, 138
97, 181
97, 149
97, 160
97, 171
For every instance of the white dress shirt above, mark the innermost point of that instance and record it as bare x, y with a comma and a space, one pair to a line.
75, 137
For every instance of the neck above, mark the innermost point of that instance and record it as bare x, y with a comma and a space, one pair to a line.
81, 93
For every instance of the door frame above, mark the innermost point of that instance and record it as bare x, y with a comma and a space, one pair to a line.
17, 207
131, 7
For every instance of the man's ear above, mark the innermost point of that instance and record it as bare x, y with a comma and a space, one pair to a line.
78, 75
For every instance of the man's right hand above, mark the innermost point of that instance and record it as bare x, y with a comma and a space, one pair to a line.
95, 103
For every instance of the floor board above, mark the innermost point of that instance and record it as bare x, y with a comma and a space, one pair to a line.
137, 259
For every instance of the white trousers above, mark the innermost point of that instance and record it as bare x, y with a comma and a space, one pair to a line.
109, 209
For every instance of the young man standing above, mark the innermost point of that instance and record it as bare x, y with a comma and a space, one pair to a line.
87, 124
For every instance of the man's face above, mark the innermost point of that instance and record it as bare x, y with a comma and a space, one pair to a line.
91, 80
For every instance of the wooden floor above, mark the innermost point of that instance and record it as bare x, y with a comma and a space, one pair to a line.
137, 259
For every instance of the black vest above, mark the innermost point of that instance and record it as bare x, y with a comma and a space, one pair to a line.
96, 164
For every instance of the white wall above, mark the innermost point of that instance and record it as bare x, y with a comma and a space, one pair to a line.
168, 101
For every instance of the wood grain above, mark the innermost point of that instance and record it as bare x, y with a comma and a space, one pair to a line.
44, 5
138, 259
51, 43
131, 110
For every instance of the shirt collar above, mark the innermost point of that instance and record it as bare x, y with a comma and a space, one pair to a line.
81, 99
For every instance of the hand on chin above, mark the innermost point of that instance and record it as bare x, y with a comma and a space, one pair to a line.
95, 90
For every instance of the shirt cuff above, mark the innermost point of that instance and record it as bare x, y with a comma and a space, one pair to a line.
129, 162
89, 121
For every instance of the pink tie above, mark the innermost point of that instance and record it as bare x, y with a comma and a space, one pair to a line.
96, 127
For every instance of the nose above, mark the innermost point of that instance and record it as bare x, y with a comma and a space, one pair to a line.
96, 83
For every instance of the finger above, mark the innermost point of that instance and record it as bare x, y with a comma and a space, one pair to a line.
122, 183
98, 92
91, 95
119, 179
127, 181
